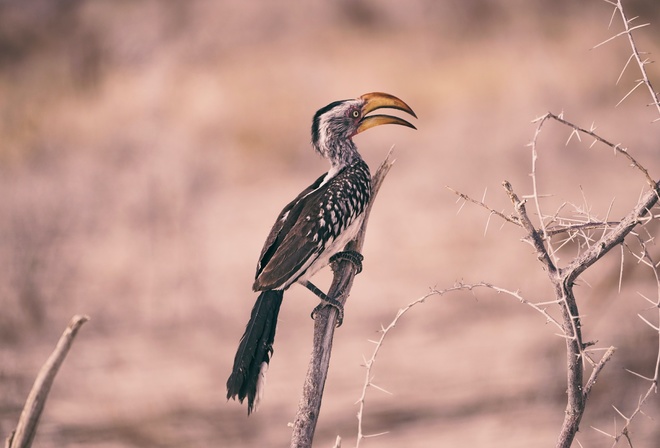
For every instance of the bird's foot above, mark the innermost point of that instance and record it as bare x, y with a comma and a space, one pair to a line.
352, 256
336, 304
326, 301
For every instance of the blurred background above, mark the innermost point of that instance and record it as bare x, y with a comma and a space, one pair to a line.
147, 146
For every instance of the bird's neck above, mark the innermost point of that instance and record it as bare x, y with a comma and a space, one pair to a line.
340, 154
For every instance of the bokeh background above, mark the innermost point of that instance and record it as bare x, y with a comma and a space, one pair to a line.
147, 146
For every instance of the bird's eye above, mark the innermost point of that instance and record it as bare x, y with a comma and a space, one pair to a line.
355, 113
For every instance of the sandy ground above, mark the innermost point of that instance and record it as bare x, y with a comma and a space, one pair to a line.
148, 148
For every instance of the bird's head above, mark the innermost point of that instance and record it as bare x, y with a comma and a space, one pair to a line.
334, 125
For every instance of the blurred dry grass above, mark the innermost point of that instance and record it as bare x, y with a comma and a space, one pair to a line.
134, 141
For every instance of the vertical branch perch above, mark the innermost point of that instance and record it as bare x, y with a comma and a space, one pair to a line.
324, 329
34, 405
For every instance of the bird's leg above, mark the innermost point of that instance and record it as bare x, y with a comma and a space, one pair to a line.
353, 256
325, 300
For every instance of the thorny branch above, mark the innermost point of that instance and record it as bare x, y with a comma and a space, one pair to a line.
385, 330
36, 401
646, 260
507, 218
564, 277
636, 54
597, 138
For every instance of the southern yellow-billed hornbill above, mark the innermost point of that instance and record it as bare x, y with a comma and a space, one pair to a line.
311, 231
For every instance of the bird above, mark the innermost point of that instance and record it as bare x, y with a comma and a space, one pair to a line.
311, 232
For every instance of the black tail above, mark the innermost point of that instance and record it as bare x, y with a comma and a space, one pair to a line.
255, 349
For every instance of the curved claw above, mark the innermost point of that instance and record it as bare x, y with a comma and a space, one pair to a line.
334, 304
352, 256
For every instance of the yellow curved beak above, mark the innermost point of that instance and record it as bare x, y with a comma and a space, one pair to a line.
379, 100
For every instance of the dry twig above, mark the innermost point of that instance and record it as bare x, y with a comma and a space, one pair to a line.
385, 330
34, 405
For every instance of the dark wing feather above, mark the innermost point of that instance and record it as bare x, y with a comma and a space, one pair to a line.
317, 216
286, 220
295, 250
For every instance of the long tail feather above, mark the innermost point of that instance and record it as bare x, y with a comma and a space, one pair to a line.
255, 350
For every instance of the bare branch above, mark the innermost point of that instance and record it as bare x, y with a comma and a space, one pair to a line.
615, 147
379, 343
616, 236
619, 34
385, 330
467, 198
34, 405
569, 228
641, 63
596, 371
533, 235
